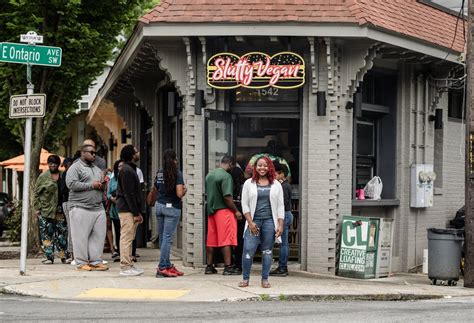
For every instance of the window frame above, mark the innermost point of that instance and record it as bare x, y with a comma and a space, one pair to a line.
382, 111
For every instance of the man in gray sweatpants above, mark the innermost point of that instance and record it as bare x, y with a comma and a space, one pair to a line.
86, 212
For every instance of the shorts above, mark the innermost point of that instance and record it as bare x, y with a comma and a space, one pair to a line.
221, 229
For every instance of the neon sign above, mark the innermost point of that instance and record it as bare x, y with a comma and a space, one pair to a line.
256, 70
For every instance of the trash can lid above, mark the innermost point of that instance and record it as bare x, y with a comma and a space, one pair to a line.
447, 231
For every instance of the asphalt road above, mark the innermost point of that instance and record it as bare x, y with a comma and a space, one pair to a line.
26, 309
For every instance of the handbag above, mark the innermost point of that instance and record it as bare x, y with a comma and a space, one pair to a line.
151, 197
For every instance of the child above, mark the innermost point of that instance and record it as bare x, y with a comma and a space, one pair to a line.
282, 173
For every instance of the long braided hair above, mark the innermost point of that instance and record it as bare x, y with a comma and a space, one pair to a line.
170, 169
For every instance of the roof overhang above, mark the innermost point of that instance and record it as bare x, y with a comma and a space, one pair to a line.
125, 58
300, 30
172, 30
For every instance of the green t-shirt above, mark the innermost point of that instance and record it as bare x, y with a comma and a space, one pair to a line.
218, 184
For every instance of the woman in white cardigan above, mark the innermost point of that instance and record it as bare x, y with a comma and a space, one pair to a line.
264, 211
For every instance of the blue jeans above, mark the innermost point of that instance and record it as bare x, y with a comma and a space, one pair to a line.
284, 248
265, 239
168, 219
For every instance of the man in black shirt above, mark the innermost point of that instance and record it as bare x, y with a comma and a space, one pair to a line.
129, 209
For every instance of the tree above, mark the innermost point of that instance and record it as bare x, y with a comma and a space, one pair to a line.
87, 31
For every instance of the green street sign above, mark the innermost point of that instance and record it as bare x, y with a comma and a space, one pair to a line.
30, 54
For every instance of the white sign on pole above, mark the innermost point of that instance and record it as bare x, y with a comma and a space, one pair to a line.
24, 106
31, 37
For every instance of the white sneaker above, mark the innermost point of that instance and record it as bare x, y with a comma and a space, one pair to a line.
73, 263
131, 272
105, 262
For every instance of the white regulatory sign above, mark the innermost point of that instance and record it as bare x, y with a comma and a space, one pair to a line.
31, 37
24, 106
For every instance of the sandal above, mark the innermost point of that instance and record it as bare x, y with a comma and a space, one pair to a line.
47, 261
244, 283
266, 284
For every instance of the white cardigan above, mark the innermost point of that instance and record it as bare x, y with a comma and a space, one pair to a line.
249, 201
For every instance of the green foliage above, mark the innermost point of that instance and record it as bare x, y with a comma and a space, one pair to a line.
13, 223
86, 30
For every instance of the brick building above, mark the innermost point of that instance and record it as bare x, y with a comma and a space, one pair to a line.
375, 72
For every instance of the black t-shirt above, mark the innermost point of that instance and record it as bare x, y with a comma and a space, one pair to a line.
286, 195
165, 196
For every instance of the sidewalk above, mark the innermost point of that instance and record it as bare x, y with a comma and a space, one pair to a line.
61, 281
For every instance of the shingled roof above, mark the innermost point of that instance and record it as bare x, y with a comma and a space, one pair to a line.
406, 17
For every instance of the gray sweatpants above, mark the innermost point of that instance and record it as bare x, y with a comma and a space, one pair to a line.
88, 230
68, 220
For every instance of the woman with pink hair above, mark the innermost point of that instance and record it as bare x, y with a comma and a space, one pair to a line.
264, 211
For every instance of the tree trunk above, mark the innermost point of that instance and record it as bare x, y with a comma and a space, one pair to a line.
34, 244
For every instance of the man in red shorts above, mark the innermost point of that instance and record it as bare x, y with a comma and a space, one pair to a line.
222, 215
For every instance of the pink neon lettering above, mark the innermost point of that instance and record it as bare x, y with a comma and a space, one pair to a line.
243, 72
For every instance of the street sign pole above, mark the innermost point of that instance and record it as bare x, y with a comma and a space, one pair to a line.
26, 181
29, 107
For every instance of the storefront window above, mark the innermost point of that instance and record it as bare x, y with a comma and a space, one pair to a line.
375, 133
456, 104
365, 159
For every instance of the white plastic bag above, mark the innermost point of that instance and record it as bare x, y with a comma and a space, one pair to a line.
373, 189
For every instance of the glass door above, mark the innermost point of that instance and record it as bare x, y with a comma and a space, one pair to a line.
218, 134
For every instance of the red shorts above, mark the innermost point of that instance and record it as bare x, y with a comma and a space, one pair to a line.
221, 229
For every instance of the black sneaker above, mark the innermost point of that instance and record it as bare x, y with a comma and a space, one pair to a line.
282, 272
210, 269
231, 270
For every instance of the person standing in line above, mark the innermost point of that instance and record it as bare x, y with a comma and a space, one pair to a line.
171, 189
141, 179
109, 234
281, 174
129, 209
48, 206
239, 180
113, 214
100, 162
222, 215
67, 162
264, 211
86, 184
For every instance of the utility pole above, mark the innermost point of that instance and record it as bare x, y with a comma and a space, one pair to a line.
469, 182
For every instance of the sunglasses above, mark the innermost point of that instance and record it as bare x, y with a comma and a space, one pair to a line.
90, 152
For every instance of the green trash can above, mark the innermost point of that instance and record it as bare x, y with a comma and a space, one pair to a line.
444, 254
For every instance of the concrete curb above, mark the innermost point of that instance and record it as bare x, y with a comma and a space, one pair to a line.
338, 297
